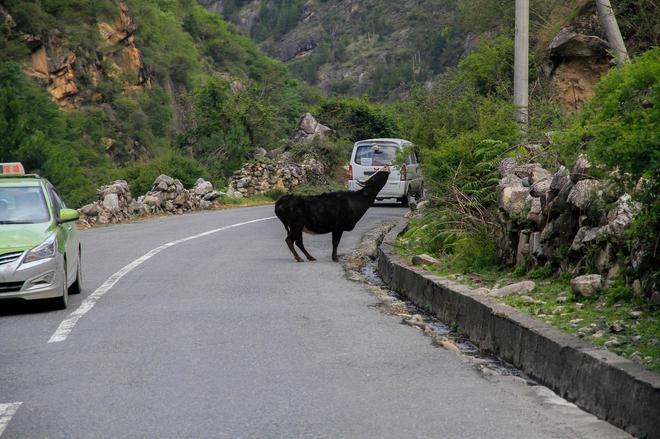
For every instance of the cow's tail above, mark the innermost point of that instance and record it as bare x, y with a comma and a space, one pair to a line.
280, 209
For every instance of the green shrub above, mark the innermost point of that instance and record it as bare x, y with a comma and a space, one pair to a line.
274, 193
46, 140
620, 125
306, 189
490, 67
357, 118
463, 129
140, 177
230, 125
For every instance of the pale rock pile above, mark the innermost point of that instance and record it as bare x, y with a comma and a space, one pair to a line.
260, 176
561, 217
115, 204
169, 196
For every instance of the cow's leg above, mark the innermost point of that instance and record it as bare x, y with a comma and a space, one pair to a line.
290, 239
299, 243
336, 237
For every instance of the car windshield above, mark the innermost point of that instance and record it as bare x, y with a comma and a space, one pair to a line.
22, 205
375, 155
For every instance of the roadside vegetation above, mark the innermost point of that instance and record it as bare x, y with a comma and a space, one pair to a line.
464, 129
193, 60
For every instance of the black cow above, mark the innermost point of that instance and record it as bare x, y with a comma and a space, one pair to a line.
333, 212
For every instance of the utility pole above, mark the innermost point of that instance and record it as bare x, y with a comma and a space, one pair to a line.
611, 27
521, 65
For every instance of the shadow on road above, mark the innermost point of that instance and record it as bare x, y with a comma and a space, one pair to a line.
386, 204
10, 307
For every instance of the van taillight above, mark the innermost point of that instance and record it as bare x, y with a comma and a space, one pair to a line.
350, 171
403, 173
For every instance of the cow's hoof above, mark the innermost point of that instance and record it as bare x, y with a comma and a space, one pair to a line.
311, 259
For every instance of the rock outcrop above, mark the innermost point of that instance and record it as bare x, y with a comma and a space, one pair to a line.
57, 66
580, 56
568, 218
309, 129
361, 48
118, 41
115, 203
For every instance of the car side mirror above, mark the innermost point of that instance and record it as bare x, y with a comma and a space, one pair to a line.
68, 215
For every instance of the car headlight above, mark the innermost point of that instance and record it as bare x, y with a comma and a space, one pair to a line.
44, 250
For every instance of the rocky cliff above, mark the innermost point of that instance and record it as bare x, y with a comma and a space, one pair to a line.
62, 66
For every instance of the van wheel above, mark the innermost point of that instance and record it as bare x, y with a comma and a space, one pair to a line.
406, 200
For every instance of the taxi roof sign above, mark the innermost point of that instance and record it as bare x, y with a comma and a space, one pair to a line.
12, 169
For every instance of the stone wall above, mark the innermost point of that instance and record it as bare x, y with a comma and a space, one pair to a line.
567, 218
282, 172
280, 169
115, 203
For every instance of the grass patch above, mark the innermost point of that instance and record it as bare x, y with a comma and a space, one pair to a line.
308, 189
246, 201
629, 327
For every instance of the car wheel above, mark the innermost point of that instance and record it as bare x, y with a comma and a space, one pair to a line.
76, 287
63, 301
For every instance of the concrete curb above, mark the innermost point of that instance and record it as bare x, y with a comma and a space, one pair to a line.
612, 388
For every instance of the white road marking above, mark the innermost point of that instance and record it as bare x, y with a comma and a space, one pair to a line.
62, 332
7, 411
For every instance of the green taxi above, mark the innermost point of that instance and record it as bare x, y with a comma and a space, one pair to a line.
40, 252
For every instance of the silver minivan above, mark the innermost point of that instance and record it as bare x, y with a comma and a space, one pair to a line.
368, 156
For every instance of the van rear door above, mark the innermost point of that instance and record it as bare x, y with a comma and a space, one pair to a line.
369, 158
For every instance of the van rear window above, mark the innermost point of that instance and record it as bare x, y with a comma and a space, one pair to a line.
379, 155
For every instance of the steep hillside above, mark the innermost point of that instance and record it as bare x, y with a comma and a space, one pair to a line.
130, 78
384, 48
356, 46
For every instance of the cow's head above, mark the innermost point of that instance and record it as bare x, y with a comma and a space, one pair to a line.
377, 180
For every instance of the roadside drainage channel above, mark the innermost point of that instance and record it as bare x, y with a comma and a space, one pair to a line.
361, 266
442, 335
611, 387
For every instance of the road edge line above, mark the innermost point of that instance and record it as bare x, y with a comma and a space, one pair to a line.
67, 325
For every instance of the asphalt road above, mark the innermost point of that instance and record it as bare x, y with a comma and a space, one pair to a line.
226, 336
